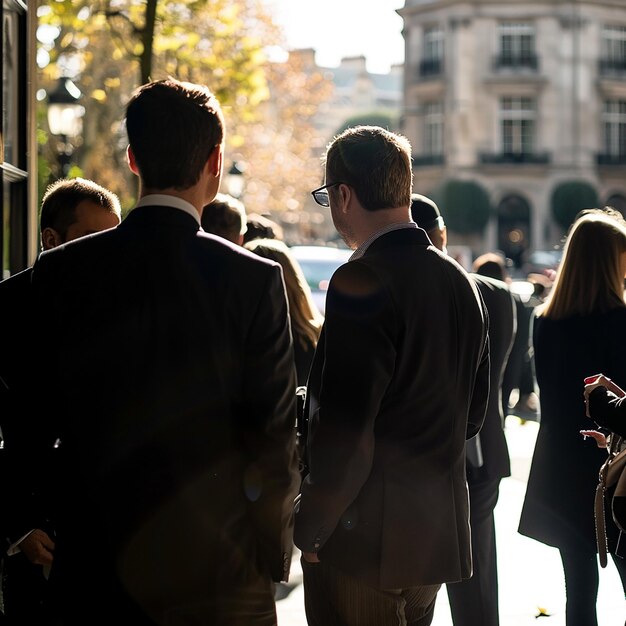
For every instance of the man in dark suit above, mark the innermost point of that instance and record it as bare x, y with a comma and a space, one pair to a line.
399, 380
70, 208
175, 393
475, 601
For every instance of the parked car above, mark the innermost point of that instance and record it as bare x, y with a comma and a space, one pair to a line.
318, 265
541, 260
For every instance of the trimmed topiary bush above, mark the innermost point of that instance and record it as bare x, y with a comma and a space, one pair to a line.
571, 197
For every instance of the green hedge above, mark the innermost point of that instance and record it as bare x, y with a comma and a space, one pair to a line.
571, 197
465, 206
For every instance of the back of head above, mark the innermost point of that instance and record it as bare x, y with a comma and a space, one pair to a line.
261, 227
375, 162
491, 265
306, 320
61, 198
590, 278
425, 212
172, 129
225, 216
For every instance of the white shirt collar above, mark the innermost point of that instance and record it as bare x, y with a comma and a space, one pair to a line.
161, 199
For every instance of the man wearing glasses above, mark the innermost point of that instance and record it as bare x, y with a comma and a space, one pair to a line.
399, 380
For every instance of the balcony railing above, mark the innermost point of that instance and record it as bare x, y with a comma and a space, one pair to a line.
610, 159
516, 62
611, 67
500, 158
424, 160
431, 67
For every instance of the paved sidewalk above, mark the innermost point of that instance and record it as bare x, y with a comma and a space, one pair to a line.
530, 573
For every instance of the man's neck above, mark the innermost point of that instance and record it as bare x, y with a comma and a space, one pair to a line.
375, 221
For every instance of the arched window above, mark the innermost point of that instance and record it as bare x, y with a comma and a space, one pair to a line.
514, 232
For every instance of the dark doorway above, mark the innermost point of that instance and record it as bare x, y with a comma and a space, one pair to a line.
514, 228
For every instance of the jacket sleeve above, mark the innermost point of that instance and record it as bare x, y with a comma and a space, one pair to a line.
359, 357
269, 413
480, 395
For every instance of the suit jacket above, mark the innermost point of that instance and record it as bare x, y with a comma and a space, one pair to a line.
500, 306
24, 493
399, 380
25, 504
174, 390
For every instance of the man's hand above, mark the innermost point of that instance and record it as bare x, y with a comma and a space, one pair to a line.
310, 557
38, 547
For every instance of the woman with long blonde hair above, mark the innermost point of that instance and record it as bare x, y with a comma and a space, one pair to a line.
306, 320
580, 330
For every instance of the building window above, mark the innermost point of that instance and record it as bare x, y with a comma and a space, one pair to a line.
432, 57
433, 128
614, 130
517, 117
517, 45
613, 49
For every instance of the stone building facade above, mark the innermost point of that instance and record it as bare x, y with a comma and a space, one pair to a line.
520, 105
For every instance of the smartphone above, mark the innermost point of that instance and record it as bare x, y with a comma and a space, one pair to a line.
592, 379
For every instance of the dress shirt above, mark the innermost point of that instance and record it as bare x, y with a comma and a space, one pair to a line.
162, 199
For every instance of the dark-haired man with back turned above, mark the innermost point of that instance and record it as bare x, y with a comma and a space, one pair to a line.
474, 601
176, 392
399, 380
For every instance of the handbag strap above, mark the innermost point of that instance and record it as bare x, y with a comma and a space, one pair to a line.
599, 510
615, 445
600, 522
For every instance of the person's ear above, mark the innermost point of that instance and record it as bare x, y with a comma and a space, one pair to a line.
50, 238
444, 236
345, 195
215, 162
130, 159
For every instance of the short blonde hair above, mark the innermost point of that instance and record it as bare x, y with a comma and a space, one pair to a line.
590, 277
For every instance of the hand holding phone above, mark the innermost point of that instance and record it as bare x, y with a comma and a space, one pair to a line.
597, 380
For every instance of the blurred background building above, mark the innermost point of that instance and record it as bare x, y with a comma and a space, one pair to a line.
356, 96
516, 112
517, 115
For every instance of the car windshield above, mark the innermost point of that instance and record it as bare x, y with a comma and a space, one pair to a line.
318, 264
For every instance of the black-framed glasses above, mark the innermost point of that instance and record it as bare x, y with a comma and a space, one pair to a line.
320, 195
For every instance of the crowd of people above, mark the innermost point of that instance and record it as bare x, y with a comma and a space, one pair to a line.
148, 398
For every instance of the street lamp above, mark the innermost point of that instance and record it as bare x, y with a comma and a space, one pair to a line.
65, 119
234, 179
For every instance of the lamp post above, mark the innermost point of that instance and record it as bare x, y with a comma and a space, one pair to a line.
234, 179
65, 119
